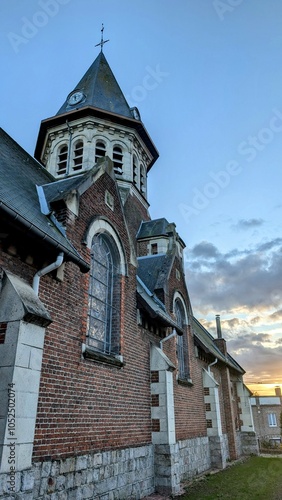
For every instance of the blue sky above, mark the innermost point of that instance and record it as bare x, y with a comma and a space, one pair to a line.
206, 76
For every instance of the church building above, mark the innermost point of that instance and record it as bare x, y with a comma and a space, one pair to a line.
110, 387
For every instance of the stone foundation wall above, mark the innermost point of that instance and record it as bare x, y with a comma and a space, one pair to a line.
249, 443
111, 475
194, 457
219, 451
181, 461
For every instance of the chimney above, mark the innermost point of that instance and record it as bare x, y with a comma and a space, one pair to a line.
278, 391
218, 326
219, 340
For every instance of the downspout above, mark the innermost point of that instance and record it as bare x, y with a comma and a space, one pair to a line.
46, 270
211, 364
167, 338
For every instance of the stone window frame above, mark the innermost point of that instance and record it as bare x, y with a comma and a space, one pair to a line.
103, 227
100, 141
77, 154
143, 180
118, 158
135, 171
62, 164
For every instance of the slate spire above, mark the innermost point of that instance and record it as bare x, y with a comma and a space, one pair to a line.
98, 88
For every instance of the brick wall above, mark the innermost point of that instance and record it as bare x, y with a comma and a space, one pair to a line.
188, 399
86, 405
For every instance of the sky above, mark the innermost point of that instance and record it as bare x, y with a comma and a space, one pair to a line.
206, 76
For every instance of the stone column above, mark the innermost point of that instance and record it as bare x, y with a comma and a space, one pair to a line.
217, 442
23, 320
249, 442
167, 478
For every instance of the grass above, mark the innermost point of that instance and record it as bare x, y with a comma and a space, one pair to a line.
257, 478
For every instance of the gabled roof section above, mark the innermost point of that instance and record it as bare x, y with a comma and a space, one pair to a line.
206, 341
58, 190
154, 270
100, 90
153, 228
20, 175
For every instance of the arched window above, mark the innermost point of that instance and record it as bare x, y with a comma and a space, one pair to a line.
62, 160
104, 296
117, 159
182, 347
135, 171
78, 155
142, 180
100, 150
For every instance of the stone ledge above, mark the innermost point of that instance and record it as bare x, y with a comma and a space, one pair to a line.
92, 355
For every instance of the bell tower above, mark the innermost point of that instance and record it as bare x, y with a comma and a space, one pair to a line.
95, 121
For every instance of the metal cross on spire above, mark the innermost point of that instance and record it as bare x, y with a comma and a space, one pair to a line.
102, 39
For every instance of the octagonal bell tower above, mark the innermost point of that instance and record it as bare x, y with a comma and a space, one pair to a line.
95, 121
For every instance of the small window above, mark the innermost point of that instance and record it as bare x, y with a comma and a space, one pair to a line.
62, 160
78, 156
272, 422
117, 159
182, 347
135, 171
100, 150
154, 249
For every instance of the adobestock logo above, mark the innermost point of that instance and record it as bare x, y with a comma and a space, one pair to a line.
250, 148
31, 26
222, 7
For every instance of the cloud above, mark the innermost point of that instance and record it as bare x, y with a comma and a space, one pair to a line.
243, 224
244, 287
223, 282
269, 245
262, 362
206, 250
276, 316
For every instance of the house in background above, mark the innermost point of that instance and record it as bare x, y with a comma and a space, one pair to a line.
266, 412
110, 388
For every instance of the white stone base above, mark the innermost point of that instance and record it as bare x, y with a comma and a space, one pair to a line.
112, 475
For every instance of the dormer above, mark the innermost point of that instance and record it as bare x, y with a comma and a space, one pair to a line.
159, 237
95, 121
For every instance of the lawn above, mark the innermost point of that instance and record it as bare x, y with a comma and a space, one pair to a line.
257, 478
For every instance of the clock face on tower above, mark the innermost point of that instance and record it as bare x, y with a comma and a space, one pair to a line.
75, 97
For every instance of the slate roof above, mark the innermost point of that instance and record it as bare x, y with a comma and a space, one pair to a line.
101, 90
20, 174
154, 306
206, 342
153, 270
153, 228
103, 98
57, 190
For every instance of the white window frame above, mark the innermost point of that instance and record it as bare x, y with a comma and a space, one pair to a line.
272, 419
